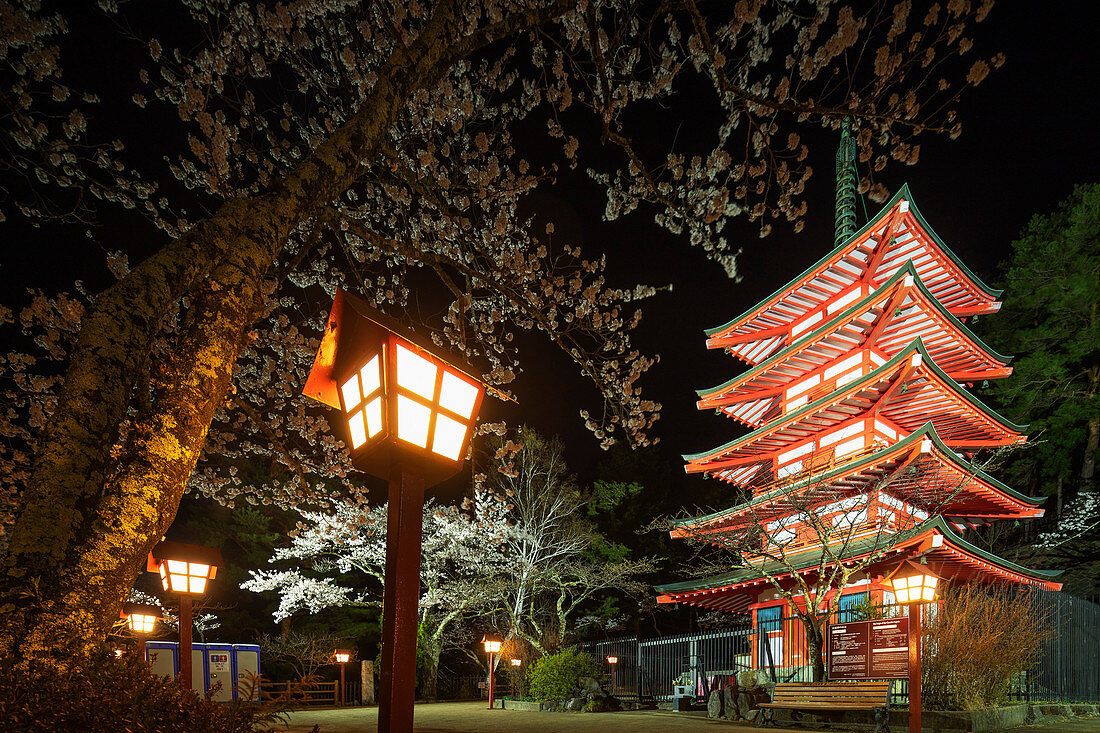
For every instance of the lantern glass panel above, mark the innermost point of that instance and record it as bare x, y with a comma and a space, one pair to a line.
177, 566
357, 429
142, 623
373, 411
351, 394
178, 582
199, 569
457, 395
372, 380
447, 440
416, 374
413, 420
196, 584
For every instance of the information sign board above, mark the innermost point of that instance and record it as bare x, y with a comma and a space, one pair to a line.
869, 650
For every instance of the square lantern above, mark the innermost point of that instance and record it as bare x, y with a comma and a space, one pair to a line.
141, 617
342, 656
491, 643
184, 568
399, 397
914, 583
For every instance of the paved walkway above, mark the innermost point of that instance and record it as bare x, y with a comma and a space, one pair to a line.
474, 717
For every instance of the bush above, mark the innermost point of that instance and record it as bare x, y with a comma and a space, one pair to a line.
109, 695
553, 677
976, 644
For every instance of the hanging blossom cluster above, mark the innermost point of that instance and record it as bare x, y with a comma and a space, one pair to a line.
339, 558
432, 228
1080, 517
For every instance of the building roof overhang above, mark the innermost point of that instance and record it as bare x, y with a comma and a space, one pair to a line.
905, 390
948, 555
759, 332
885, 321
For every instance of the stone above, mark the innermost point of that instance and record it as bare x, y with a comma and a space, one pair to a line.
729, 702
714, 704
576, 703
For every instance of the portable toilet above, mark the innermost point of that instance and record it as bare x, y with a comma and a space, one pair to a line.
162, 658
246, 671
219, 669
198, 668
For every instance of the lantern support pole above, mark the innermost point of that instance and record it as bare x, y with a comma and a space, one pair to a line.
914, 667
185, 641
342, 687
492, 656
401, 596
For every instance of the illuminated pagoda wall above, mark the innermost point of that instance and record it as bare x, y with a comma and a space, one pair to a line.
856, 395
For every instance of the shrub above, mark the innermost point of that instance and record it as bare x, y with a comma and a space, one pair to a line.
976, 644
108, 695
553, 677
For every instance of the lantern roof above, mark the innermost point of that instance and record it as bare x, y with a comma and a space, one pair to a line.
166, 550
142, 609
908, 390
353, 329
896, 235
885, 321
953, 558
944, 481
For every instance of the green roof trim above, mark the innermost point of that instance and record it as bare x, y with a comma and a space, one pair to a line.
909, 268
742, 574
916, 346
927, 430
903, 193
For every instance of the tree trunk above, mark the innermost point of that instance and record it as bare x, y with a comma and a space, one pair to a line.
814, 645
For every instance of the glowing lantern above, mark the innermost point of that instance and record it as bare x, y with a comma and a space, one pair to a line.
491, 643
913, 583
342, 657
140, 617
612, 660
516, 662
184, 568
398, 397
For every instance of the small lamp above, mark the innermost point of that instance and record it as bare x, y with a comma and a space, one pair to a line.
516, 662
140, 617
612, 660
913, 583
184, 568
491, 643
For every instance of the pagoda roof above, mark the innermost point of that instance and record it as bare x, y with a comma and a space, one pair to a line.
908, 390
943, 483
948, 554
887, 321
764, 328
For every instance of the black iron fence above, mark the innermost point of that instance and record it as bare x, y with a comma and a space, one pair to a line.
693, 664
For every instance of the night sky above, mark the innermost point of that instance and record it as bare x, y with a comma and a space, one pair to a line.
1028, 138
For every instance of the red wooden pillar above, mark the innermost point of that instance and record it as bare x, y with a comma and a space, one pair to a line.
914, 667
400, 599
492, 675
185, 641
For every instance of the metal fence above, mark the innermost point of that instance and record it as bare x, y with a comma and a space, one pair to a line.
693, 664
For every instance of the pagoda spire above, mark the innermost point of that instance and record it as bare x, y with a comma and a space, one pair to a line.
847, 181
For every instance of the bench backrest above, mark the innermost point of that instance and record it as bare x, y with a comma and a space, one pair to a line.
838, 693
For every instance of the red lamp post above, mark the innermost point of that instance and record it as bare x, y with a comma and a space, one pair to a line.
406, 415
492, 646
185, 570
141, 618
914, 585
612, 660
342, 657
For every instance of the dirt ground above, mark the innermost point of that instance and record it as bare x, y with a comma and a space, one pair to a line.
474, 717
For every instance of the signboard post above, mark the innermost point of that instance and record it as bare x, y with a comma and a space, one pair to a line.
868, 650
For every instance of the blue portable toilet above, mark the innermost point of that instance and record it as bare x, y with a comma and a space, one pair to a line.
198, 669
246, 671
163, 658
219, 669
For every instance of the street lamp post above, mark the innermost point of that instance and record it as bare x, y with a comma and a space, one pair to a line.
184, 570
492, 646
914, 585
141, 618
342, 657
612, 660
406, 415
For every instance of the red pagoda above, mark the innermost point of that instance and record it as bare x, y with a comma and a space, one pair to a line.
856, 397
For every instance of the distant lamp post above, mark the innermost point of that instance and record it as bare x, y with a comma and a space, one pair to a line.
492, 647
516, 662
914, 585
406, 414
612, 660
342, 657
141, 619
184, 570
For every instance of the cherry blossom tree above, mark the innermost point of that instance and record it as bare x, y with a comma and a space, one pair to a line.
272, 153
339, 558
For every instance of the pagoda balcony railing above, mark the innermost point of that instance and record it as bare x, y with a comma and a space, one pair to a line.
815, 464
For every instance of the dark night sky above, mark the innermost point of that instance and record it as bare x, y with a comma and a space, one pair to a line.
1028, 138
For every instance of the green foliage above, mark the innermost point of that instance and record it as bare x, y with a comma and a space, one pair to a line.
1050, 322
553, 677
868, 610
108, 695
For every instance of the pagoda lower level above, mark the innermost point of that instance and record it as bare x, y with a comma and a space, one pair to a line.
859, 417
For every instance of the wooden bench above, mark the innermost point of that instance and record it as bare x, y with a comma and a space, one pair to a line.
824, 697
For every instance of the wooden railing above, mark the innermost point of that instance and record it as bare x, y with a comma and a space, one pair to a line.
300, 693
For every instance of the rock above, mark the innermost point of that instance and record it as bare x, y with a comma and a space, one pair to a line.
576, 703
714, 704
729, 702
